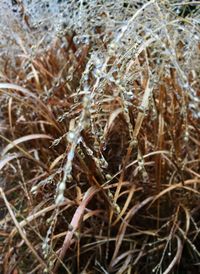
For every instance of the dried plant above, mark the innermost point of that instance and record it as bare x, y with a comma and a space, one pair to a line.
99, 119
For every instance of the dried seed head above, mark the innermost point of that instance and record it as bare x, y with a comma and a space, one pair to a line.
60, 198
70, 136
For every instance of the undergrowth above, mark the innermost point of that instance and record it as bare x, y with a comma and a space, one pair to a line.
100, 112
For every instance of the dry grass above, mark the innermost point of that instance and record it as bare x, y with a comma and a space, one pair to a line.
100, 166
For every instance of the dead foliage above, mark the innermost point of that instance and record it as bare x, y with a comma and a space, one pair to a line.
100, 166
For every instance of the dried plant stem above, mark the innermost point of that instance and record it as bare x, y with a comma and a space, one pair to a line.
75, 224
30, 246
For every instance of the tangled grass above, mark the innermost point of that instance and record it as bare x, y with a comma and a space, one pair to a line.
100, 166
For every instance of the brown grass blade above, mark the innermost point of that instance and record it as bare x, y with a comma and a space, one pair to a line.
24, 139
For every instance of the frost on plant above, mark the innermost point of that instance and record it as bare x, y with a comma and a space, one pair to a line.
115, 86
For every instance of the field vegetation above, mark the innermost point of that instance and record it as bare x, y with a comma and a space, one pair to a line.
100, 136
